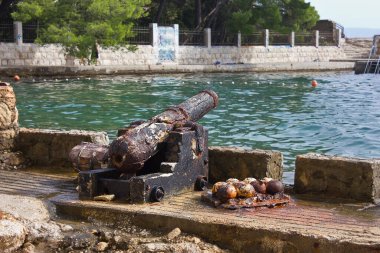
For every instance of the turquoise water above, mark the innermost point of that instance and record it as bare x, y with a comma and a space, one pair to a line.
266, 111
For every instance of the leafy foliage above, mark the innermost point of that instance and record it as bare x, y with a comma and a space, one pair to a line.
237, 15
80, 25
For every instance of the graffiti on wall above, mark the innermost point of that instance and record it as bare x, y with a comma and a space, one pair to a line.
166, 44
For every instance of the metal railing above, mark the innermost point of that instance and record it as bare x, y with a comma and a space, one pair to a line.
304, 39
6, 32
279, 39
253, 39
223, 39
339, 26
191, 38
327, 39
31, 31
141, 36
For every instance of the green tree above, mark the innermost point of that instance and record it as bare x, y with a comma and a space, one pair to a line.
81, 25
235, 15
6, 7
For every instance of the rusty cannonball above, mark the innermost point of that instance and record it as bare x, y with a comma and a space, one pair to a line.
259, 186
238, 184
267, 179
226, 192
274, 187
245, 190
216, 187
232, 180
249, 180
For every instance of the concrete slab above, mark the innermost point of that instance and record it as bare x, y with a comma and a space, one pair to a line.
173, 68
342, 177
303, 226
295, 228
50, 148
234, 162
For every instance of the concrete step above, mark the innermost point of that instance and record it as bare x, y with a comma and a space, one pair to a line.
299, 227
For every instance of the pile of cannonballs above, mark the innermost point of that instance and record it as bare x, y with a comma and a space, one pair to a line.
248, 188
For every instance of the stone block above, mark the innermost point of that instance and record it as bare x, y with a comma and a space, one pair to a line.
342, 177
232, 162
46, 147
7, 139
19, 62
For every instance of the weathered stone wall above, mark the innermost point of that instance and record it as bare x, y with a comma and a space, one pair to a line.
51, 147
144, 55
53, 55
341, 177
258, 54
232, 162
33, 55
8, 117
9, 129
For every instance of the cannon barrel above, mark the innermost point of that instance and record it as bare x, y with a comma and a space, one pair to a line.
129, 152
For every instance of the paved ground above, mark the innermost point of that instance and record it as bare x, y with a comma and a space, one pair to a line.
296, 228
304, 226
35, 184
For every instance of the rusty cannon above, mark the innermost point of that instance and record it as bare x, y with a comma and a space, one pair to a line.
150, 159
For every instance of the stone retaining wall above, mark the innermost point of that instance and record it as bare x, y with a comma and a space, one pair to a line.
46, 147
258, 54
232, 162
342, 177
53, 55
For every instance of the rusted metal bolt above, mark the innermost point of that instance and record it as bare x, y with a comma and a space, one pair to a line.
157, 194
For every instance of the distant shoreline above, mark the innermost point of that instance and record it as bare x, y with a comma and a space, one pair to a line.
353, 32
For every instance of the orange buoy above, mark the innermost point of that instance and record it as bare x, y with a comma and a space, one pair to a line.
16, 78
314, 83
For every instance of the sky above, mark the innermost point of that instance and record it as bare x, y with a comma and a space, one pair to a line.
350, 13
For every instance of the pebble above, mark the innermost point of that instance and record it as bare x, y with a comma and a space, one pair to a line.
95, 232
117, 239
28, 248
195, 240
105, 197
106, 236
174, 233
66, 228
101, 246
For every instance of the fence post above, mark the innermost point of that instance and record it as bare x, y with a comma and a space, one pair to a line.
153, 29
338, 35
266, 38
17, 32
316, 38
239, 39
176, 35
207, 37
292, 39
